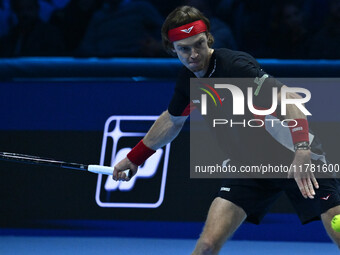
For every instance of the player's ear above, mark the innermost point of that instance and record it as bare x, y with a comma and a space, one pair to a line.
173, 52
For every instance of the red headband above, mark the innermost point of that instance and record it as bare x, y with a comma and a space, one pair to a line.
187, 30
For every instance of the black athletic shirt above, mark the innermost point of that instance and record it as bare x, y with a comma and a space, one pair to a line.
243, 144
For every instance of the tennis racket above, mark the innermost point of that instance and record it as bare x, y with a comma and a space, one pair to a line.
28, 159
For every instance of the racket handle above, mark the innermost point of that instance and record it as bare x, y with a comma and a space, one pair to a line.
107, 170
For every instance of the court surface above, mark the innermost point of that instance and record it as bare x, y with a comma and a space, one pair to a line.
28, 245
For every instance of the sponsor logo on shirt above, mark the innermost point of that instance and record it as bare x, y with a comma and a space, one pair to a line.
225, 189
259, 82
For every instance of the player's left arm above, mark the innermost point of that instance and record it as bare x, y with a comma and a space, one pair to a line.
305, 179
246, 66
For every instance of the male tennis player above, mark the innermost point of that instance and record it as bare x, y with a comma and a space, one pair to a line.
185, 32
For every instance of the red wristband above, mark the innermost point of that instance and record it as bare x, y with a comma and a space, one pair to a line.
140, 153
300, 131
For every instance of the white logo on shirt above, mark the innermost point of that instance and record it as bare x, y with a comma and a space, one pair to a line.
259, 82
225, 189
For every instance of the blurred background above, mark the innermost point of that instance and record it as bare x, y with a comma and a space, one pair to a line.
299, 29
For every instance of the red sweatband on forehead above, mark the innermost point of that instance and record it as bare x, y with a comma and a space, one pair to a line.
187, 30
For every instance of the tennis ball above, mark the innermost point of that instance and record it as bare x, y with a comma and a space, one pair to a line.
336, 223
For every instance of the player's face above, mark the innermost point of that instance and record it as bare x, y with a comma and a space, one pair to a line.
194, 53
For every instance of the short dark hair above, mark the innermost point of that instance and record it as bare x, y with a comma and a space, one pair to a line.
180, 16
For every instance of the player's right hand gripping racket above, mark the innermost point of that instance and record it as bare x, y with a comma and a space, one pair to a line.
28, 159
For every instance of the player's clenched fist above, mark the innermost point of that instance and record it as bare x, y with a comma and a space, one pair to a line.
120, 173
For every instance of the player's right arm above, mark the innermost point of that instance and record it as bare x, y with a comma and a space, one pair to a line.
163, 131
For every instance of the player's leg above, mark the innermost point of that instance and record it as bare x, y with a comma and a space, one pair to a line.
223, 219
325, 205
326, 220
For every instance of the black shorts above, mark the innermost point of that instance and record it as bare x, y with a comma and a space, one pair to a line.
255, 197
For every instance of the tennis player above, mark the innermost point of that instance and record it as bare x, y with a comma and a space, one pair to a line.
185, 33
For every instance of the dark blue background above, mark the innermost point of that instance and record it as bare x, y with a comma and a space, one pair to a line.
47, 111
